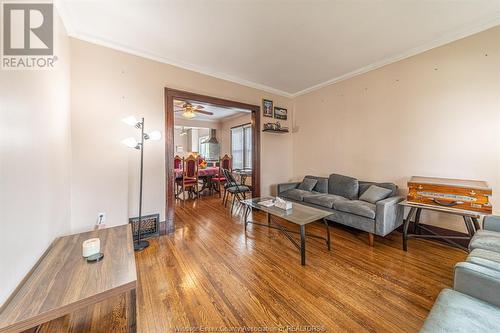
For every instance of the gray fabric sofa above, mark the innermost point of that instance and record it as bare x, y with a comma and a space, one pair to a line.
474, 303
340, 194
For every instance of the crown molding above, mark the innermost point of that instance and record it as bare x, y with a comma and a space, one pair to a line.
449, 38
472, 29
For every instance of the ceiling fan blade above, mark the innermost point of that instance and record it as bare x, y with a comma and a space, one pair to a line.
199, 107
204, 112
177, 102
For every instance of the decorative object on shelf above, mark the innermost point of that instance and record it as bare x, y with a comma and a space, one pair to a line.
470, 195
267, 108
280, 113
275, 128
90, 247
150, 226
139, 145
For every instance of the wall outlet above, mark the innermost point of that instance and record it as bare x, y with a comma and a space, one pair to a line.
101, 218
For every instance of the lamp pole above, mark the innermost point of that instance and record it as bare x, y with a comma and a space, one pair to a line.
141, 245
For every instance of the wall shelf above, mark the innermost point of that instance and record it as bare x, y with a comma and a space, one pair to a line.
282, 131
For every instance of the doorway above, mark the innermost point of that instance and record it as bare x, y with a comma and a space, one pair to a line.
170, 96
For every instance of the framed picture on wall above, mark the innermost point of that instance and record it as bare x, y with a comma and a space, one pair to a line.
280, 113
267, 108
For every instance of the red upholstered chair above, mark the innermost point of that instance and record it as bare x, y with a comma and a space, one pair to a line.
177, 162
224, 163
189, 176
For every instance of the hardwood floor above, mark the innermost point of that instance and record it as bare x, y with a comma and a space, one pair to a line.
210, 274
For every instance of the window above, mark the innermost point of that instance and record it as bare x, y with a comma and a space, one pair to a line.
203, 149
241, 146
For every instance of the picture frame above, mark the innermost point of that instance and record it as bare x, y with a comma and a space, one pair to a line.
280, 113
267, 108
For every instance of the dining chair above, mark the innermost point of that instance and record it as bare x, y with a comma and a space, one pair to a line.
224, 163
189, 177
237, 190
178, 163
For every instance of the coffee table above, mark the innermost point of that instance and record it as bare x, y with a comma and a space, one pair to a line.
300, 215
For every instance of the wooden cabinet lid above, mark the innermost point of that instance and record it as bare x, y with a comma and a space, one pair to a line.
475, 184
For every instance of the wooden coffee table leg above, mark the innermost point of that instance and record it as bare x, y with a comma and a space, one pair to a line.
302, 245
132, 312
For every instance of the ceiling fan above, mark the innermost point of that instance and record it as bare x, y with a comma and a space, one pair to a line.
189, 110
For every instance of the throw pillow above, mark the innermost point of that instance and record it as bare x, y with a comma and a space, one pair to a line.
375, 193
307, 184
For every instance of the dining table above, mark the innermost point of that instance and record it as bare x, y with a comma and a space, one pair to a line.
205, 175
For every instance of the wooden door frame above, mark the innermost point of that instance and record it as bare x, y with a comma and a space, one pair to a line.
170, 95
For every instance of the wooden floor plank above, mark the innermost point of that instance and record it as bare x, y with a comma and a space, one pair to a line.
210, 273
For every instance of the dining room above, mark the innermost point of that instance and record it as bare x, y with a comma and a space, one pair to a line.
212, 151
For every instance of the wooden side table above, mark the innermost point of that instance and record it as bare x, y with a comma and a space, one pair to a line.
471, 220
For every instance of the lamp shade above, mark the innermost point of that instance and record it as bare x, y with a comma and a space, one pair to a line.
155, 135
131, 121
130, 142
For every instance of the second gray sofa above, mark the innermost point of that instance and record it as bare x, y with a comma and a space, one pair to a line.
340, 194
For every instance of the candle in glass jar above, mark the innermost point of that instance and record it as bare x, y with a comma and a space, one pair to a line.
91, 246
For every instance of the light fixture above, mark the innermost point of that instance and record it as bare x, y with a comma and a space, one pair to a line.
139, 244
131, 142
131, 121
188, 114
155, 135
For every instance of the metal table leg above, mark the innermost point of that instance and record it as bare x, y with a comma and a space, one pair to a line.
476, 223
327, 234
412, 212
302, 245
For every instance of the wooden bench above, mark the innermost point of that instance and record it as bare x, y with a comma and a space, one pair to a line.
62, 281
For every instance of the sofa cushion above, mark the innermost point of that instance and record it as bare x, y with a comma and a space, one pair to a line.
486, 240
344, 186
322, 184
307, 184
457, 312
375, 193
357, 207
296, 194
363, 186
324, 200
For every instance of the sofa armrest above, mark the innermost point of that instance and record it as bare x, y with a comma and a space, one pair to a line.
388, 215
287, 186
478, 281
492, 223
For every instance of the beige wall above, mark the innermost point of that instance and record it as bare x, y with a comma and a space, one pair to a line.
108, 85
435, 114
34, 163
225, 132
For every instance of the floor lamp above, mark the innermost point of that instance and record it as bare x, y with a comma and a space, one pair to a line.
131, 142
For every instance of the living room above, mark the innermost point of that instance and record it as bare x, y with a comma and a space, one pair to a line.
357, 97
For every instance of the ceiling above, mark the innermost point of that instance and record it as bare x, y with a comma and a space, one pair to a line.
219, 112
285, 47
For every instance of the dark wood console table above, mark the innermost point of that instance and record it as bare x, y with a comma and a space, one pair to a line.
62, 281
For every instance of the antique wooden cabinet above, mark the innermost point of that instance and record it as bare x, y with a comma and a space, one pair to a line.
469, 195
